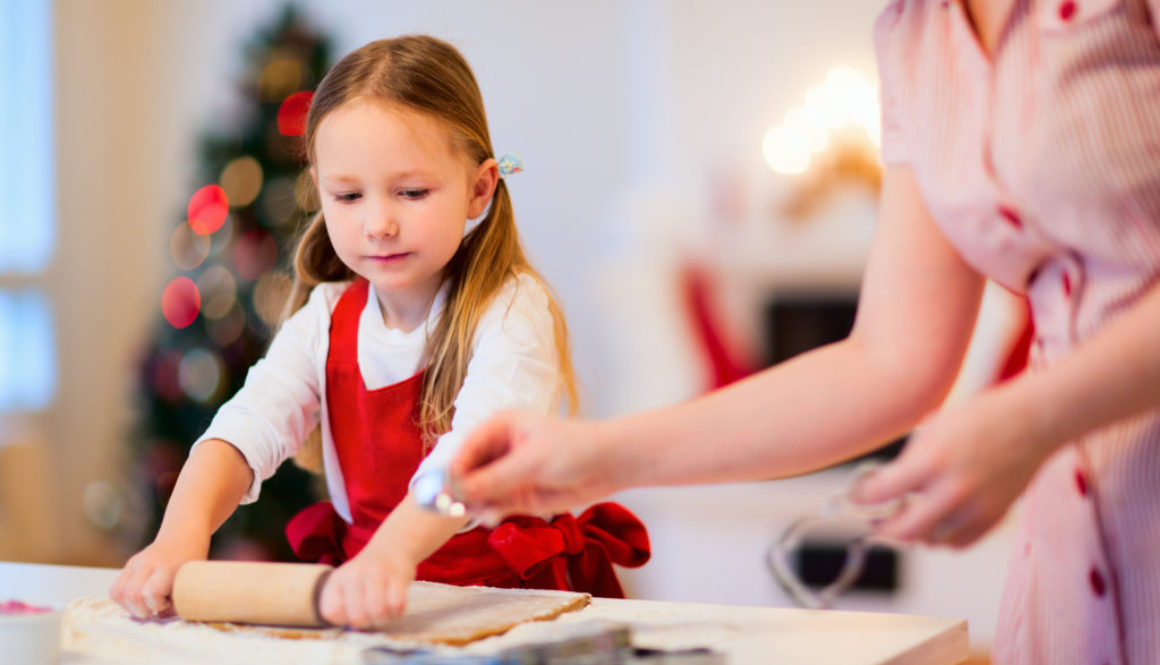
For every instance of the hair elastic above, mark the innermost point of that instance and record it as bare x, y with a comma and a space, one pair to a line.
509, 164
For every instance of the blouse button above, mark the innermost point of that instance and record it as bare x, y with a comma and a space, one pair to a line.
1097, 582
1011, 217
1067, 9
1081, 482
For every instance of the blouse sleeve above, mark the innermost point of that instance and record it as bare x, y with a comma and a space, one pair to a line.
513, 366
887, 49
269, 417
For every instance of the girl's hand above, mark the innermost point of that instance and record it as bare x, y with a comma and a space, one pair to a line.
368, 591
144, 586
516, 463
963, 468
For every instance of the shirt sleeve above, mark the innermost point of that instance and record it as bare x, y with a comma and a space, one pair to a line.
513, 366
269, 417
890, 77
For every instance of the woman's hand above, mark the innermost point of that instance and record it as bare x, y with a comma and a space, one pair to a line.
963, 469
146, 582
516, 463
368, 591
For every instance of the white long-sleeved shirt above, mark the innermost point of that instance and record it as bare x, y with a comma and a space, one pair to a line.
513, 366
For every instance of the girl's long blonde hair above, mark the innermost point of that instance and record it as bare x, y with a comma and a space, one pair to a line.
430, 76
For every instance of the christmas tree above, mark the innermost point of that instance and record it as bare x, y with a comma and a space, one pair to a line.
232, 253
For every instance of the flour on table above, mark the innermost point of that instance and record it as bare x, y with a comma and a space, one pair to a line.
437, 616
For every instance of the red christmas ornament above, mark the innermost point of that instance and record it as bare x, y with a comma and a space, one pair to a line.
181, 302
292, 113
207, 209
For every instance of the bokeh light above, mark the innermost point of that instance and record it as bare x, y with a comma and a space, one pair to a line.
279, 200
103, 504
242, 180
227, 329
188, 249
255, 254
281, 76
219, 291
292, 113
798, 120
163, 375
162, 462
180, 302
200, 374
223, 237
270, 296
207, 209
847, 104
786, 151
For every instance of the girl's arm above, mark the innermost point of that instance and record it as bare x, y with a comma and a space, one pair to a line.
264, 423
371, 588
916, 312
209, 487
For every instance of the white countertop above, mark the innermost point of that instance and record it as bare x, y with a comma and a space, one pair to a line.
746, 634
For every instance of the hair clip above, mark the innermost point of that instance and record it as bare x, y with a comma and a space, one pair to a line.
509, 164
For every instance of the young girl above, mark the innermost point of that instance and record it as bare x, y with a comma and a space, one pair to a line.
417, 327
1021, 143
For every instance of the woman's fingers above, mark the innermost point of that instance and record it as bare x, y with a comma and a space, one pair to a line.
924, 513
483, 445
503, 481
909, 473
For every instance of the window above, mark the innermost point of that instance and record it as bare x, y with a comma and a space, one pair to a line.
27, 225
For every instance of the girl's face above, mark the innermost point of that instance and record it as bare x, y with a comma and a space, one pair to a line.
396, 194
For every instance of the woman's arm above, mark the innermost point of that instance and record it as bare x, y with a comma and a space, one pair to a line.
972, 460
916, 313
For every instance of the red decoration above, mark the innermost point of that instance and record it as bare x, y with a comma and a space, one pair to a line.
208, 208
181, 302
292, 113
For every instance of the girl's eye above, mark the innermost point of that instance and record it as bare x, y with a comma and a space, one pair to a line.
347, 198
413, 194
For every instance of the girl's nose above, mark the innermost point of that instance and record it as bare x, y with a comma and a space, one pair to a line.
380, 223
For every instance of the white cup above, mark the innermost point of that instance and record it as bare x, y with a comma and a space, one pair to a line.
30, 639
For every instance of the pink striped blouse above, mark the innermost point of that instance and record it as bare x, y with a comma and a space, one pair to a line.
1041, 163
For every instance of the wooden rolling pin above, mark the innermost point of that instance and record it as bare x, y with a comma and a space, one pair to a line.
274, 594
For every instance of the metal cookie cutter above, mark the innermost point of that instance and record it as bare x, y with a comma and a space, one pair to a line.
839, 508
585, 643
437, 491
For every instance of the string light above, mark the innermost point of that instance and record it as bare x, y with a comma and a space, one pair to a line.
847, 101
270, 296
227, 329
219, 291
200, 374
188, 249
242, 180
255, 254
